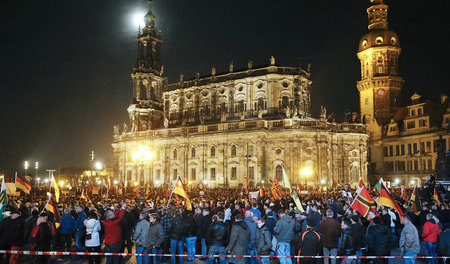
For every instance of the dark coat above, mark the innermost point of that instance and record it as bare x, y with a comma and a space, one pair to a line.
155, 236
309, 243
331, 231
15, 235
203, 224
177, 230
347, 247
379, 240
42, 236
265, 241
358, 236
190, 227
239, 238
217, 234
444, 243
5, 225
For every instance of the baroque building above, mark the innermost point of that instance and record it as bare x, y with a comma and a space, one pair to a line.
215, 129
403, 144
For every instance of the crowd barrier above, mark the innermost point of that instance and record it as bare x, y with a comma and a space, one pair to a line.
61, 253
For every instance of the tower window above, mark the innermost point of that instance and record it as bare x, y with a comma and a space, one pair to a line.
213, 151
193, 152
379, 40
213, 174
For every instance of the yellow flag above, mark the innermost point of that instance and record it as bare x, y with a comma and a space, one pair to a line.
179, 189
55, 186
287, 184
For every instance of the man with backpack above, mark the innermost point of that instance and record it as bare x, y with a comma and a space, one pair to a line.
309, 244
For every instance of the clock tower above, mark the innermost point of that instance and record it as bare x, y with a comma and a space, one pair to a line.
380, 84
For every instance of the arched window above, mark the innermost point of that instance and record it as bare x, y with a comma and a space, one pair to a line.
175, 154
193, 152
213, 151
241, 105
260, 103
284, 102
380, 65
279, 172
143, 92
233, 151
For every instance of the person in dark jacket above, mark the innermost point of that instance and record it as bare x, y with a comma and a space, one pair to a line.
154, 240
347, 246
80, 228
264, 244
190, 230
254, 235
42, 236
177, 237
444, 241
239, 239
358, 235
217, 239
330, 229
15, 235
67, 228
127, 224
309, 243
203, 224
379, 240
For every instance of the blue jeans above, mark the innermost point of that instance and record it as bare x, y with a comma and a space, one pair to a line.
358, 253
190, 242
153, 260
174, 246
431, 251
78, 243
140, 259
264, 260
217, 250
394, 235
410, 260
204, 247
252, 252
284, 249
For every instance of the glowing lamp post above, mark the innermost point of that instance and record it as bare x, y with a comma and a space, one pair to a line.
26, 164
306, 172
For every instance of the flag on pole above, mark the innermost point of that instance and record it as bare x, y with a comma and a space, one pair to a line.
276, 190
339, 185
179, 189
363, 203
21, 184
436, 197
51, 207
3, 198
54, 185
261, 192
292, 192
415, 201
387, 200
85, 197
245, 183
403, 194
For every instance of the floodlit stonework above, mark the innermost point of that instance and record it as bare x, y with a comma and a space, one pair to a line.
214, 129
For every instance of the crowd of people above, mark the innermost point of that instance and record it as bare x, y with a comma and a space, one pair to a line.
222, 221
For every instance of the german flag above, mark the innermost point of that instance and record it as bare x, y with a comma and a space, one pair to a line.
85, 197
261, 192
245, 183
436, 197
339, 185
363, 203
387, 200
415, 201
179, 189
403, 195
22, 185
50, 207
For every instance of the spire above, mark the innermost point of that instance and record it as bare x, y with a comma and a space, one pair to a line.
377, 14
150, 18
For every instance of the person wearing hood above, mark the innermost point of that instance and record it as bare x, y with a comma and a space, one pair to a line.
254, 234
264, 242
92, 237
284, 234
239, 239
430, 236
379, 240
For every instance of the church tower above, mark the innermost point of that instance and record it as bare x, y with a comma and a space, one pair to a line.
146, 109
380, 84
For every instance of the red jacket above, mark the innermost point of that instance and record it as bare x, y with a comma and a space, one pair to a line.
113, 231
430, 232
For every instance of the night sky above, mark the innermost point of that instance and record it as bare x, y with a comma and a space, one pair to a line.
65, 65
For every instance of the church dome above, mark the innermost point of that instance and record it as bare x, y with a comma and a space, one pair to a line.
378, 38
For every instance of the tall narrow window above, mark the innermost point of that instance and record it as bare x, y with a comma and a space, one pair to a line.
233, 173
284, 102
193, 153
175, 174
213, 174
251, 173
193, 174
213, 151
233, 150
175, 154
279, 172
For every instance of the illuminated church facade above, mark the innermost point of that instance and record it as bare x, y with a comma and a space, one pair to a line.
218, 128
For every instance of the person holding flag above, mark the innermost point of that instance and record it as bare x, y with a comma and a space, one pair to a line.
3, 199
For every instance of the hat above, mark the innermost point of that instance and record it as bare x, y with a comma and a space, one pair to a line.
377, 220
355, 218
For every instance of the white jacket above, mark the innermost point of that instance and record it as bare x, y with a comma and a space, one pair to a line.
92, 227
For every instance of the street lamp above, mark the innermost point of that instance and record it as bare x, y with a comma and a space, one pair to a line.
36, 167
141, 156
98, 165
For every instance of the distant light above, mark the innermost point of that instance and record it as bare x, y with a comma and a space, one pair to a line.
99, 182
46, 180
136, 183
26, 165
157, 182
38, 179
61, 183
36, 165
138, 19
205, 181
412, 182
397, 181
262, 181
98, 165
116, 182
322, 181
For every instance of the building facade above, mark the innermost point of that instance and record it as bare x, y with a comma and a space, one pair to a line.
403, 143
215, 129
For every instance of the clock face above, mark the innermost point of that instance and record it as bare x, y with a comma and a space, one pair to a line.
381, 92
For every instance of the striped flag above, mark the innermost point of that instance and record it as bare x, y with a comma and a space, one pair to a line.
277, 193
387, 200
436, 196
22, 185
403, 194
179, 189
363, 203
51, 207
3, 199
415, 201
245, 183
54, 185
